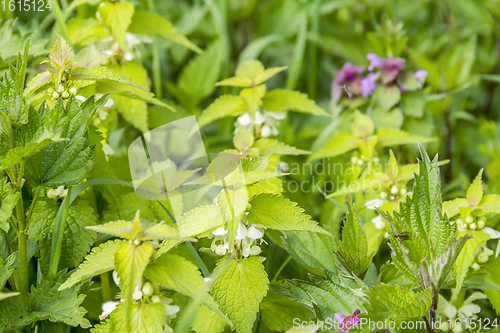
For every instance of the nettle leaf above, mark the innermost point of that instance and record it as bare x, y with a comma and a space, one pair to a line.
278, 312
200, 220
6, 269
100, 260
289, 100
176, 273
38, 81
271, 146
12, 102
277, 212
61, 55
466, 257
442, 265
253, 97
244, 139
66, 162
45, 302
365, 183
144, 318
207, 321
130, 262
226, 105
13, 41
77, 240
389, 137
387, 96
475, 191
250, 73
8, 200
117, 17
239, 286
334, 294
337, 145
153, 24
353, 249
311, 249
493, 268
397, 302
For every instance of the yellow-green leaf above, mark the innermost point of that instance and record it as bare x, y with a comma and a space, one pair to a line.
117, 17
475, 192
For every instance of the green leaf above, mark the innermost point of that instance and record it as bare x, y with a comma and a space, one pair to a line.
271, 146
6, 269
243, 140
38, 81
452, 207
13, 41
365, 183
77, 240
145, 318
176, 273
475, 191
250, 73
117, 17
8, 200
226, 105
200, 220
388, 137
253, 97
493, 267
337, 145
130, 262
100, 260
311, 249
207, 321
397, 302
61, 55
387, 96
66, 162
467, 255
289, 100
45, 302
362, 126
277, 212
239, 287
153, 24
278, 312
413, 103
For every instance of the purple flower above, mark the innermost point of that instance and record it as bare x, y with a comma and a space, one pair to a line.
347, 322
375, 61
368, 85
349, 75
420, 75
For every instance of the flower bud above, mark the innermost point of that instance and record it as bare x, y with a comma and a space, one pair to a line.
403, 191
445, 326
60, 89
473, 226
137, 242
55, 95
469, 219
482, 258
383, 195
480, 224
394, 189
73, 90
376, 160
65, 94
354, 160
476, 266
155, 299
147, 289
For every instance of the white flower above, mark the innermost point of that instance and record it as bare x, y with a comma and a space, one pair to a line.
170, 310
266, 121
242, 232
492, 232
254, 233
219, 231
109, 103
59, 192
379, 223
137, 295
81, 98
245, 120
107, 308
108, 150
116, 278
374, 203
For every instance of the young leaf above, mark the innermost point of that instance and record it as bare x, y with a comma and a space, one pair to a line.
226, 105
117, 17
279, 213
289, 100
100, 260
145, 318
200, 220
154, 24
239, 287
271, 146
207, 321
8, 200
389, 137
475, 192
337, 145
467, 255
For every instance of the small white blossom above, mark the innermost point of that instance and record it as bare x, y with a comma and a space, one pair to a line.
107, 308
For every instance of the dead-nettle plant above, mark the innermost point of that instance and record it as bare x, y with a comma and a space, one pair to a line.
429, 253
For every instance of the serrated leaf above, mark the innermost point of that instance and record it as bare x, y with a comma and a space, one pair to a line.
475, 191
388, 137
200, 220
100, 260
279, 213
271, 146
367, 182
153, 24
38, 81
243, 140
145, 318
77, 240
6, 269
278, 312
289, 100
61, 55
239, 286
253, 97
337, 145
387, 96
12, 42
362, 126
311, 249
45, 302
117, 17
392, 167
8, 200
207, 321
226, 105
397, 302
130, 262
65, 162
452, 207
467, 255
176, 273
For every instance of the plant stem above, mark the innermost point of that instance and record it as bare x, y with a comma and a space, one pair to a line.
156, 60
283, 265
57, 239
22, 249
198, 259
106, 289
56, 9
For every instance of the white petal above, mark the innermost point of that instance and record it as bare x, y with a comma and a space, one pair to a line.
108, 150
137, 295
259, 118
116, 278
468, 310
171, 309
109, 307
275, 131
492, 232
245, 119
276, 115
254, 233
374, 203
242, 231
81, 98
255, 250
450, 311
219, 231
266, 131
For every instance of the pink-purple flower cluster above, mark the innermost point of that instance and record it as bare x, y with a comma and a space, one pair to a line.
389, 70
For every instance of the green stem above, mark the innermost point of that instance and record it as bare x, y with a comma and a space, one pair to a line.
106, 289
58, 238
22, 249
156, 60
313, 54
198, 259
283, 265
56, 9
